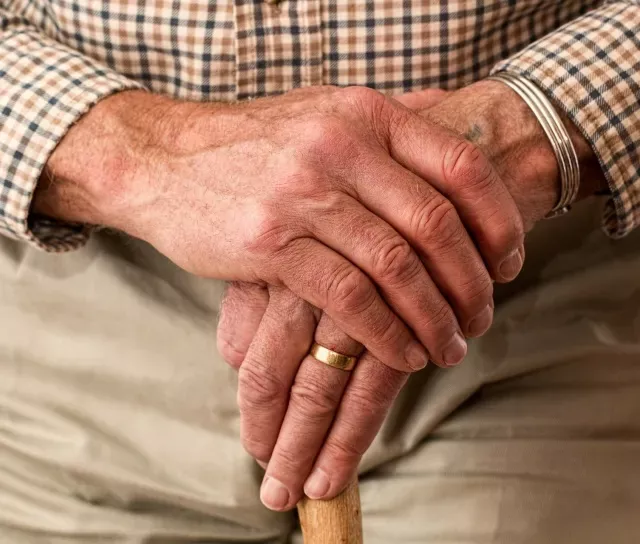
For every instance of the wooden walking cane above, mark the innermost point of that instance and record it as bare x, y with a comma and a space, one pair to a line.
338, 521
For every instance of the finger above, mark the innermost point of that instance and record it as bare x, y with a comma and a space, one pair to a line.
315, 396
432, 226
363, 408
331, 283
422, 100
241, 311
265, 377
390, 261
462, 173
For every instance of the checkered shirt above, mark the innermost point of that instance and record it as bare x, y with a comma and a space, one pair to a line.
59, 57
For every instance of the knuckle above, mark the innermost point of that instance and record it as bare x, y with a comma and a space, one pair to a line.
239, 295
511, 234
350, 291
504, 233
343, 452
465, 166
441, 320
325, 204
296, 171
437, 223
477, 292
399, 121
324, 136
374, 108
375, 399
231, 355
300, 180
361, 95
266, 232
256, 447
272, 231
259, 390
395, 261
313, 400
291, 459
518, 228
386, 331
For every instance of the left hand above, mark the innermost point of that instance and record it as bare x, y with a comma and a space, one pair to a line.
326, 419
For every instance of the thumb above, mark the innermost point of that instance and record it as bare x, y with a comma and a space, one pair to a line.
422, 100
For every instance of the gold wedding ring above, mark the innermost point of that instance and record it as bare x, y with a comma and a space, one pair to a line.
332, 358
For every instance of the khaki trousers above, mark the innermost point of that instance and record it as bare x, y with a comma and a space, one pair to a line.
118, 421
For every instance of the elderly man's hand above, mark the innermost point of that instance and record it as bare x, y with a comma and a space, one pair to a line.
325, 419
347, 198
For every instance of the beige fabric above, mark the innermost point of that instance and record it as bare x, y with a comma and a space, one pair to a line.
118, 421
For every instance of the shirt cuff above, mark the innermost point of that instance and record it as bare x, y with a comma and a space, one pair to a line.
589, 68
45, 88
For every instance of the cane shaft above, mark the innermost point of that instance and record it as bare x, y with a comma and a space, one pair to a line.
337, 521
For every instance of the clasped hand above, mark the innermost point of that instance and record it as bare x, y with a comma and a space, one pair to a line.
340, 215
426, 221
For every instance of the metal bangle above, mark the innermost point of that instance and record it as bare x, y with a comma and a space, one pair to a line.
558, 143
566, 150
556, 132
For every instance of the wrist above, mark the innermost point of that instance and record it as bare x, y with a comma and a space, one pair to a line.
495, 118
102, 171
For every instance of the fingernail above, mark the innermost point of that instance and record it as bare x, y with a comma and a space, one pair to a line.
317, 485
417, 357
511, 266
274, 494
455, 350
481, 323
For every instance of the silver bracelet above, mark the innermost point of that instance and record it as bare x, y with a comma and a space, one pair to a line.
557, 134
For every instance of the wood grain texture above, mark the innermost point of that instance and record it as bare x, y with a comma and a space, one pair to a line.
338, 521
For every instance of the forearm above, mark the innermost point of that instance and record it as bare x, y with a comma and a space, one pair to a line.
101, 173
44, 89
94, 175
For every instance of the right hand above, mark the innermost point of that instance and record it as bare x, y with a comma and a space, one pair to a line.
323, 191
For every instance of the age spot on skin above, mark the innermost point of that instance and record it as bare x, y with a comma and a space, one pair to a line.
474, 134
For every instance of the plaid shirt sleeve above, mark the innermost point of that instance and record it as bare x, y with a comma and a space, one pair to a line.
590, 68
45, 87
